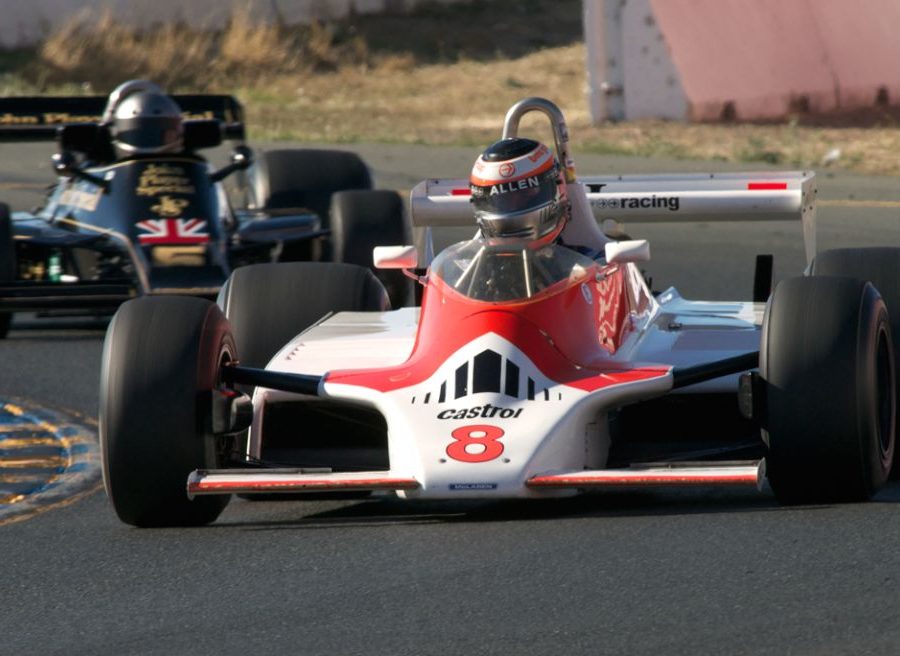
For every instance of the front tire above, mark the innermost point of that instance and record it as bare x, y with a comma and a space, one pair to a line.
161, 362
827, 360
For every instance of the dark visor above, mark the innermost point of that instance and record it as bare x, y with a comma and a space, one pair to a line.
148, 132
518, 196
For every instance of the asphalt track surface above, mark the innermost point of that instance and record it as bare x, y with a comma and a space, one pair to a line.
696, 572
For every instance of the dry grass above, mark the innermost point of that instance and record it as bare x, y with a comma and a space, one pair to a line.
439, 104
438, 76
100, 52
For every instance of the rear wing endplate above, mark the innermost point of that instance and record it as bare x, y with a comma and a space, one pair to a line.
666, 198
36, 118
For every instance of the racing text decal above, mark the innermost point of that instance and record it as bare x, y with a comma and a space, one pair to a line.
505, 187
486, 411
158, 179
468, 487
82, 200
60, 118
671, 203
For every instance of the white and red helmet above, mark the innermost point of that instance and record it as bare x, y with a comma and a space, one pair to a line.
518, 192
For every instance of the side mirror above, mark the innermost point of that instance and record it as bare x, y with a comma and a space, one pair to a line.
635, 250
395, 257
65, 164
241, 159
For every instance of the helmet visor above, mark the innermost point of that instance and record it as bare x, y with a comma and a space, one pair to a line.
148, 132
517, 196
528, 208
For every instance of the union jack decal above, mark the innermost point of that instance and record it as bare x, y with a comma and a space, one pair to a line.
172, 231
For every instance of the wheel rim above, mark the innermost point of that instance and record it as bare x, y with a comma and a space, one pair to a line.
224, 445
885, 391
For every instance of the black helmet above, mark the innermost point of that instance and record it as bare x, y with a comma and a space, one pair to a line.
518, 192
143, 120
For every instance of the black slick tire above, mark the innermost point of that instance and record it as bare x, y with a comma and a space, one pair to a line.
827, 361
269, 304
879, 265
161, 360
362, 220
7, 262
305, 177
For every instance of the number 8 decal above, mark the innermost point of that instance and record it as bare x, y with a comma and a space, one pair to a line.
480, 436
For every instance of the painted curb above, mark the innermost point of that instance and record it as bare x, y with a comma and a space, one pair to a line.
48, 458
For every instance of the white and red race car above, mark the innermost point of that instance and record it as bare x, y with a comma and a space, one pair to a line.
524, 373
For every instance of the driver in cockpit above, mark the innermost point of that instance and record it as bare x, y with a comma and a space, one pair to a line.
519, 195
522, 205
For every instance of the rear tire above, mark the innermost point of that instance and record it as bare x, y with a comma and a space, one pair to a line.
881, 267
269, 304
161, 361
827, 359
305, 177
7, 262
362, 220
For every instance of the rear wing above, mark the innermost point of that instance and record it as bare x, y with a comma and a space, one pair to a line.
666, 198
36, 118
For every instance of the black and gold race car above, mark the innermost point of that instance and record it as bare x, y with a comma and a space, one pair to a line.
138, 210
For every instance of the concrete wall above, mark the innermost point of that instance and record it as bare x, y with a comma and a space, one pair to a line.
630, 72
744, 59
26, 21
778, 56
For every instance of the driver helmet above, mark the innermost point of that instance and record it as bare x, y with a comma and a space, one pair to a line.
519, 193
144, 121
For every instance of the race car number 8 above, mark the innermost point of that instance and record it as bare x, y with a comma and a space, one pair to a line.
478, 443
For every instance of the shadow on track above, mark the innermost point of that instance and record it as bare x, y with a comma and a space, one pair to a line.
385, 511
596, 505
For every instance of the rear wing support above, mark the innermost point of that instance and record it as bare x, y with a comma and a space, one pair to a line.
666, 198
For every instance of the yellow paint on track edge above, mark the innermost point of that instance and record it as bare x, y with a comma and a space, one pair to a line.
76, 436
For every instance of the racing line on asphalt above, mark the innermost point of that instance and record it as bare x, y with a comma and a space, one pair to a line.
48, 459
